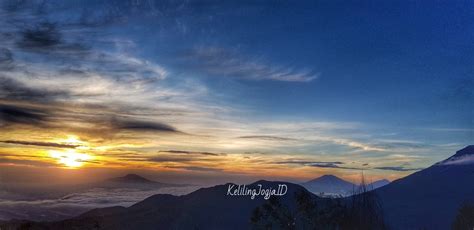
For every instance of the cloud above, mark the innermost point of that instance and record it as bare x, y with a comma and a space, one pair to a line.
461, 160
398, 168
309, 162
123, 124
193, 153
36, 143
21, 115
228, 63
331, 165
196, 168
25, 162
15, 90
59, 115
267, 138
6, 59
163, 159
399, 144
42, 35
74, 204
318, 164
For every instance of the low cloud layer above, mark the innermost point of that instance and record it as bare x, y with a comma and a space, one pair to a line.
76, 203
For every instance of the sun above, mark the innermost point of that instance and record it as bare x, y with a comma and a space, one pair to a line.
70, 158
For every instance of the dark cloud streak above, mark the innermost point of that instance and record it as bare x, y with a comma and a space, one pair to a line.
309, 162
398, 168
21, 115
43, 35
318, 164
14, 90
163, 159
37, 143
124, 124
196, 168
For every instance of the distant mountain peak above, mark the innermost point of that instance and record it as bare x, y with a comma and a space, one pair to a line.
131, 178
329, 184
327, 177
468, 150
462, 157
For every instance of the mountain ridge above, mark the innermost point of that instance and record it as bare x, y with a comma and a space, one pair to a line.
131, 178
434, 193
426, 199
206, 208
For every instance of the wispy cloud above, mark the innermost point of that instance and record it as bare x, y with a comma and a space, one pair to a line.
397, 168
196, 168
230, 63
267, 138
192, 153
318, 164
25, 162
336, 166
14, 90
37, 143
302, 162
458, 160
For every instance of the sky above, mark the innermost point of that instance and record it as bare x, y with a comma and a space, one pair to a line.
209, 91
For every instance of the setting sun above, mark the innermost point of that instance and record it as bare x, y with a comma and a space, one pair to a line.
70, 158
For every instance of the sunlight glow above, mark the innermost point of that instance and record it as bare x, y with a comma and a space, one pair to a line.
72, 140
70, 158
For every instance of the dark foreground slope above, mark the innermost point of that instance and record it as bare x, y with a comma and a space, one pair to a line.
430, 198
207, 208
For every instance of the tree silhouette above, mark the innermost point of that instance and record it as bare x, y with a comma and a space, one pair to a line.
465, 217
364, 210
360, 211
273, 215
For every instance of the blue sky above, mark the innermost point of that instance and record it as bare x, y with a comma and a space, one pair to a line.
400, 66
391, 63
319, 81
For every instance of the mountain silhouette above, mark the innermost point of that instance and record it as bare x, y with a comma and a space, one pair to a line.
132, 181
130, 178
378, 184
329, 185
206, 208
429, 199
